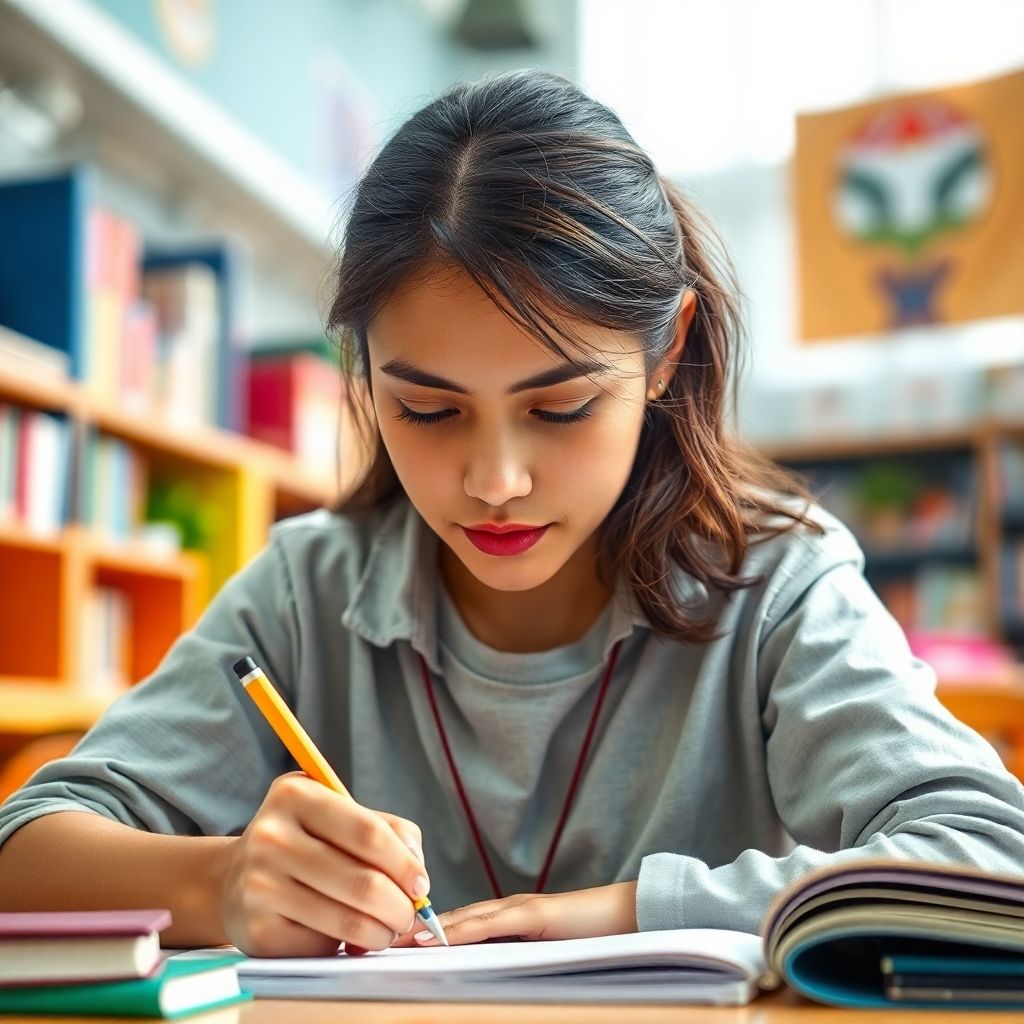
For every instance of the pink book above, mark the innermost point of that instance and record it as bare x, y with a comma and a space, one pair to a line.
79, 945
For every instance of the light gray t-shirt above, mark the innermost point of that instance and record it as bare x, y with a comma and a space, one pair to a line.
806, 734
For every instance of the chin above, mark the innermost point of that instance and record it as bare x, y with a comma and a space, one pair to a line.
508, 574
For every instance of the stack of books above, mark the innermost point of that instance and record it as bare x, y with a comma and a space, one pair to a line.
105, 963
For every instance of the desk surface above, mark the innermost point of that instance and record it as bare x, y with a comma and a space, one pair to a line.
777, 1008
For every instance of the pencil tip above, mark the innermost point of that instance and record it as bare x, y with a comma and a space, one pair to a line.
436, 930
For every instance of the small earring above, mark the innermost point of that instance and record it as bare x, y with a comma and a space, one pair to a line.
661, 384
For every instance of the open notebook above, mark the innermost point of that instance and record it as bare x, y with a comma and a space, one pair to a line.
862, 933
692, 965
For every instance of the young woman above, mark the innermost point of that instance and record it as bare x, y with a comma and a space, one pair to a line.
585, 666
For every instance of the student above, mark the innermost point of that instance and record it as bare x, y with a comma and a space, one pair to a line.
547, 340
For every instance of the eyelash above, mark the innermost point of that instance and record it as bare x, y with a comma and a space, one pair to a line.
428, 418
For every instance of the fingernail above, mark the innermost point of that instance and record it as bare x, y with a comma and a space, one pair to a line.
420, 887
416, 850
423, 936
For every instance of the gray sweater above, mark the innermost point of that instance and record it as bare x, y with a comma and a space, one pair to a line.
805, 735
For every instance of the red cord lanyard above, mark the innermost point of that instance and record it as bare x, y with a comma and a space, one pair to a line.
573, 785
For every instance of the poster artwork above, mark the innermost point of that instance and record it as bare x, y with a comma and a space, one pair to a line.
910, 210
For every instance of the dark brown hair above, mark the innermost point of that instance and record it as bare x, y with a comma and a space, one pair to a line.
541, 196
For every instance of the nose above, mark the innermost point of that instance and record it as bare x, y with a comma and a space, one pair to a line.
496, 473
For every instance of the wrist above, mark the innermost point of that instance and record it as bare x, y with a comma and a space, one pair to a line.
202, 874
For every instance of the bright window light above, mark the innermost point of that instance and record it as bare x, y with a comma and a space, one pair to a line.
708, 84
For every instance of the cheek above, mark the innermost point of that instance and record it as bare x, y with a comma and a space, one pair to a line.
415, 452
597, 459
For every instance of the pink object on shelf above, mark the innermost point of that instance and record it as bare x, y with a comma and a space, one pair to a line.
964, 658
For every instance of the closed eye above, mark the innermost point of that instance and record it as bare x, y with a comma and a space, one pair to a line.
427, 418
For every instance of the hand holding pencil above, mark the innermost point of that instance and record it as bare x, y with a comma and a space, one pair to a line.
315, 868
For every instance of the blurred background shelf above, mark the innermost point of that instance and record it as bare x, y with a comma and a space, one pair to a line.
248, 483
859, 447
34, 707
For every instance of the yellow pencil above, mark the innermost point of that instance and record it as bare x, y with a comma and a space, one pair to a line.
309, 759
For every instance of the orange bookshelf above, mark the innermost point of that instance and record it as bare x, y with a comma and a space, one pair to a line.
45, 578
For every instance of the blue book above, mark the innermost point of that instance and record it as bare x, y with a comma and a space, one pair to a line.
42, 260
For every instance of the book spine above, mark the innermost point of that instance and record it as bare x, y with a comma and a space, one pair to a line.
25, 453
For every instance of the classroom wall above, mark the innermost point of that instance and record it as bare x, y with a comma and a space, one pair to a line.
274, 66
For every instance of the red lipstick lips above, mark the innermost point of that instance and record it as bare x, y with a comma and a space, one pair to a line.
504, 538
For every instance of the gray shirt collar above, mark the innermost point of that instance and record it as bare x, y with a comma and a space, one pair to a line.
396, 596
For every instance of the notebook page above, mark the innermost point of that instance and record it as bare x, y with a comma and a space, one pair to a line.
724, 953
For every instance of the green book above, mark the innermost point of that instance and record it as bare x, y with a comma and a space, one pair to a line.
179, 988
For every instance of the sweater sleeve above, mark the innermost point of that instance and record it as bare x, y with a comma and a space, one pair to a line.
862, 759
185, 751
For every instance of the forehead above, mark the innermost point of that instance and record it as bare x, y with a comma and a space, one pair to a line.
447, 318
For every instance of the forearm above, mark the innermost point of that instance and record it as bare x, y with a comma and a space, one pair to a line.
676, 891
72, 860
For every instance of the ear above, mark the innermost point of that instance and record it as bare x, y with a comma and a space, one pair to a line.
664, 370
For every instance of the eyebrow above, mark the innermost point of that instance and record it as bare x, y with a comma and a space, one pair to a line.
403, 370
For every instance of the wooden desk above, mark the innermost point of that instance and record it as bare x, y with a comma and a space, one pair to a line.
777, 1008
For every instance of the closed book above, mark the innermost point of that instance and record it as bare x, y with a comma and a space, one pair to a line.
42, 275
179, 988
294, 402
47, 473
79, 945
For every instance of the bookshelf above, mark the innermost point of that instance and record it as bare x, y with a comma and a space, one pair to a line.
183, 172
43, 684
918, 501
986, 540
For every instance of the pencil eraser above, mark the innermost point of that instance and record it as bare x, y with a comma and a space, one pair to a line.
243, 667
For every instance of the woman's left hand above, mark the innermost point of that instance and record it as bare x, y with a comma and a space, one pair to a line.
606, 910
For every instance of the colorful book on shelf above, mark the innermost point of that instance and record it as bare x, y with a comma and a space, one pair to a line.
224, 262
113, 484
294, 399
111, 273
41, 469
176, 989
185, 300
79, 945
139, 370
826, 935
70, 280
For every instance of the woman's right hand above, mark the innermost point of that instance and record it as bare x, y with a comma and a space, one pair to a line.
315, 869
